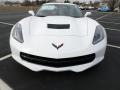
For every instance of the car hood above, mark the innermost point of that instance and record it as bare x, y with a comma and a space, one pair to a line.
40, 26
57, 43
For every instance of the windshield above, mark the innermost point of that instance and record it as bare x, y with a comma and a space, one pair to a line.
59, 10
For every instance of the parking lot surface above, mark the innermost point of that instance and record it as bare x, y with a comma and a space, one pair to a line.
106, 76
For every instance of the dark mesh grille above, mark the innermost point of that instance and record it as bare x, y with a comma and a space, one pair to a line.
57, 62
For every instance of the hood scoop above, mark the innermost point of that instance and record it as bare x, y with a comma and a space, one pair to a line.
63, 26
58, 26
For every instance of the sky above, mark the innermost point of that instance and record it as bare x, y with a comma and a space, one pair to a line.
57, 0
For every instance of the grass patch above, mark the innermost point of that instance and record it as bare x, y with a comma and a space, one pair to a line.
17, 8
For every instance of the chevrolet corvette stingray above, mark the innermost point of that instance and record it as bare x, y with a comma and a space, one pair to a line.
58, 37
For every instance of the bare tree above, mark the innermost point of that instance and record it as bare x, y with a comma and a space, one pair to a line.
66, 1
37, 2
117, 5
26, 3
96, 4
112, 4
50, 0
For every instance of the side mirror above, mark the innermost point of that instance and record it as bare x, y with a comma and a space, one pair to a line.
87, 14
31, 12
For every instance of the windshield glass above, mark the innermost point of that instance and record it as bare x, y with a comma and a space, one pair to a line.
59, 10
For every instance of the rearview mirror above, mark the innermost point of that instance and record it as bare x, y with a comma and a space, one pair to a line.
31, 12
87, 14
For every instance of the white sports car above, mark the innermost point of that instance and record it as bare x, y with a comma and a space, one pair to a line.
58, 38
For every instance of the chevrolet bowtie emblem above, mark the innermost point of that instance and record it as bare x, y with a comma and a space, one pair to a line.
57, 47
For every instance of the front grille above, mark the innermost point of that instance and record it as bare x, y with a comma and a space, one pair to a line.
65, 62
58, 26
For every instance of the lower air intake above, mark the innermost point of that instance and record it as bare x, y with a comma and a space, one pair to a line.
65, 62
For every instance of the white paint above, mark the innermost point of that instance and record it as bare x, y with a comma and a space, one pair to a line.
72, 48
113, 29
4, 86
113, 46
6, 23
9, 55
5, 57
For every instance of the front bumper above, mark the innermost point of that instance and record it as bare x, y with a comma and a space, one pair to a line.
99, 51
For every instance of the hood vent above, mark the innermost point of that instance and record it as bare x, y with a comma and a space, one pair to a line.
58, 26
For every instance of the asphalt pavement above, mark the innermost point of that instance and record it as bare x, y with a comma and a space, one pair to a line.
105, 76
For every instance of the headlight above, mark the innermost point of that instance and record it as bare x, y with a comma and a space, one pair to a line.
17, 33
99, 34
